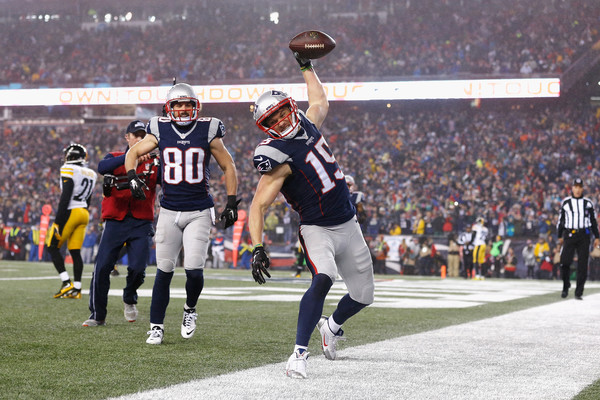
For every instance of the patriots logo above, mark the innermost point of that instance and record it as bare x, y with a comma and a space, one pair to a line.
262, 164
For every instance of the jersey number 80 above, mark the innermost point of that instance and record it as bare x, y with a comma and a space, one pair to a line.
180, 165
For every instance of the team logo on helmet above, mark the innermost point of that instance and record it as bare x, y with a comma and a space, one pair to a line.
182, 93
267, 105
75, 153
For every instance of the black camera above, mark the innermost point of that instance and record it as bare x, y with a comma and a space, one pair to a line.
110, 181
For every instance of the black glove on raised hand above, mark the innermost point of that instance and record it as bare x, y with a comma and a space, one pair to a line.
304, 63
230, 213
260, 264
136, 185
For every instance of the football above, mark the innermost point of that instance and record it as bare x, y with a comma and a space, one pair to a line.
312, 44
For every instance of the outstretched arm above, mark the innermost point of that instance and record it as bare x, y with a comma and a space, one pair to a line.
318, 105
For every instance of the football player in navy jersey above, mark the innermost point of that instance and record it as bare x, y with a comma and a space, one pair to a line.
186, 143
297, 162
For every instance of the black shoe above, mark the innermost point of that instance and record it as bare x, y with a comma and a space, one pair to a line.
565, 291
578, 297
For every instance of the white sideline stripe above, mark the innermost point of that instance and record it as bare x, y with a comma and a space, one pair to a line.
546, 352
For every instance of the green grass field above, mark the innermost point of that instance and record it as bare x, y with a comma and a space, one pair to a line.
45, 353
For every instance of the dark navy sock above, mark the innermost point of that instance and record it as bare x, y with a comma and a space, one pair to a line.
160, 296
311, 307
193, 286
346, 308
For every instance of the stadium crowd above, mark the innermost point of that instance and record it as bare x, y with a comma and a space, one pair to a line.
428, 168
390, 39
424, 169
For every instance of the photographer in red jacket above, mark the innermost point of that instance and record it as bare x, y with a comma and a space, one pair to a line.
127, 222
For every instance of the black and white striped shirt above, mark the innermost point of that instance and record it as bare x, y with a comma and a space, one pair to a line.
577, 214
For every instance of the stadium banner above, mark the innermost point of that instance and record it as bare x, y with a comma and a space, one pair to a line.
342, 91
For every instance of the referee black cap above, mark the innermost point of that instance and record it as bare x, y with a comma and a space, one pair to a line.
578, 182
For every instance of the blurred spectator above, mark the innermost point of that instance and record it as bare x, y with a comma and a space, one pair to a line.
89, 244
381, 250
529, 259
218, 250
511, 264
453, 256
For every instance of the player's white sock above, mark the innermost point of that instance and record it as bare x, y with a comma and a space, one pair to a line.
301, 349
77, 285
64, 276
334, 327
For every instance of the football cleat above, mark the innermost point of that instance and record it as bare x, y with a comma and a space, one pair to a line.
329, 339
296, 365
188, 325
93, 322
130, 312
66, 286
72, 294
156, 335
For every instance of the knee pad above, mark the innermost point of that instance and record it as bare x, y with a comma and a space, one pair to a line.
165, 265
321, 284
194, 274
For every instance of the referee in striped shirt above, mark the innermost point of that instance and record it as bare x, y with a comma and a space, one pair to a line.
577, 220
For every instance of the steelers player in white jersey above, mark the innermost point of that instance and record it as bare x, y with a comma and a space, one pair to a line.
77, 184
479, 242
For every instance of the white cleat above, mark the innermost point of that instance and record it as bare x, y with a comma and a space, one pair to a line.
296, 365
329, 339
156, 335
188, 325
130, 312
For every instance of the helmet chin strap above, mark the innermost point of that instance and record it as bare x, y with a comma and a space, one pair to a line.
293, 133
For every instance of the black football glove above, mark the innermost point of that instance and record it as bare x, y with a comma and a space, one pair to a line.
136, 185
230, 213
260, 264
304, 63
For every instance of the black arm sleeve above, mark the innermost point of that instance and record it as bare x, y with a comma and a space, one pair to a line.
62, 214
561, 221
593, 221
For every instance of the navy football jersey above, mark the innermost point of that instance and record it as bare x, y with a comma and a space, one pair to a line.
316, 189
184, 162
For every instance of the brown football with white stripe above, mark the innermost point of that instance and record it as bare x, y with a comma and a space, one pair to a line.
312, 44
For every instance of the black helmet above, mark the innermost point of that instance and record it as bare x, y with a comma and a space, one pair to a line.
75, 154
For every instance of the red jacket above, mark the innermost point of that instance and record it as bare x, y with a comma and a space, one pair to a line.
120, 202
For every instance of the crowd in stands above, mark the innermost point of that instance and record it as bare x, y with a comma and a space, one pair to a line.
427, 170
412, 38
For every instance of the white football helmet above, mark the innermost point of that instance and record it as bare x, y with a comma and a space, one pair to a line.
182, 92
270, 102
349, 180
